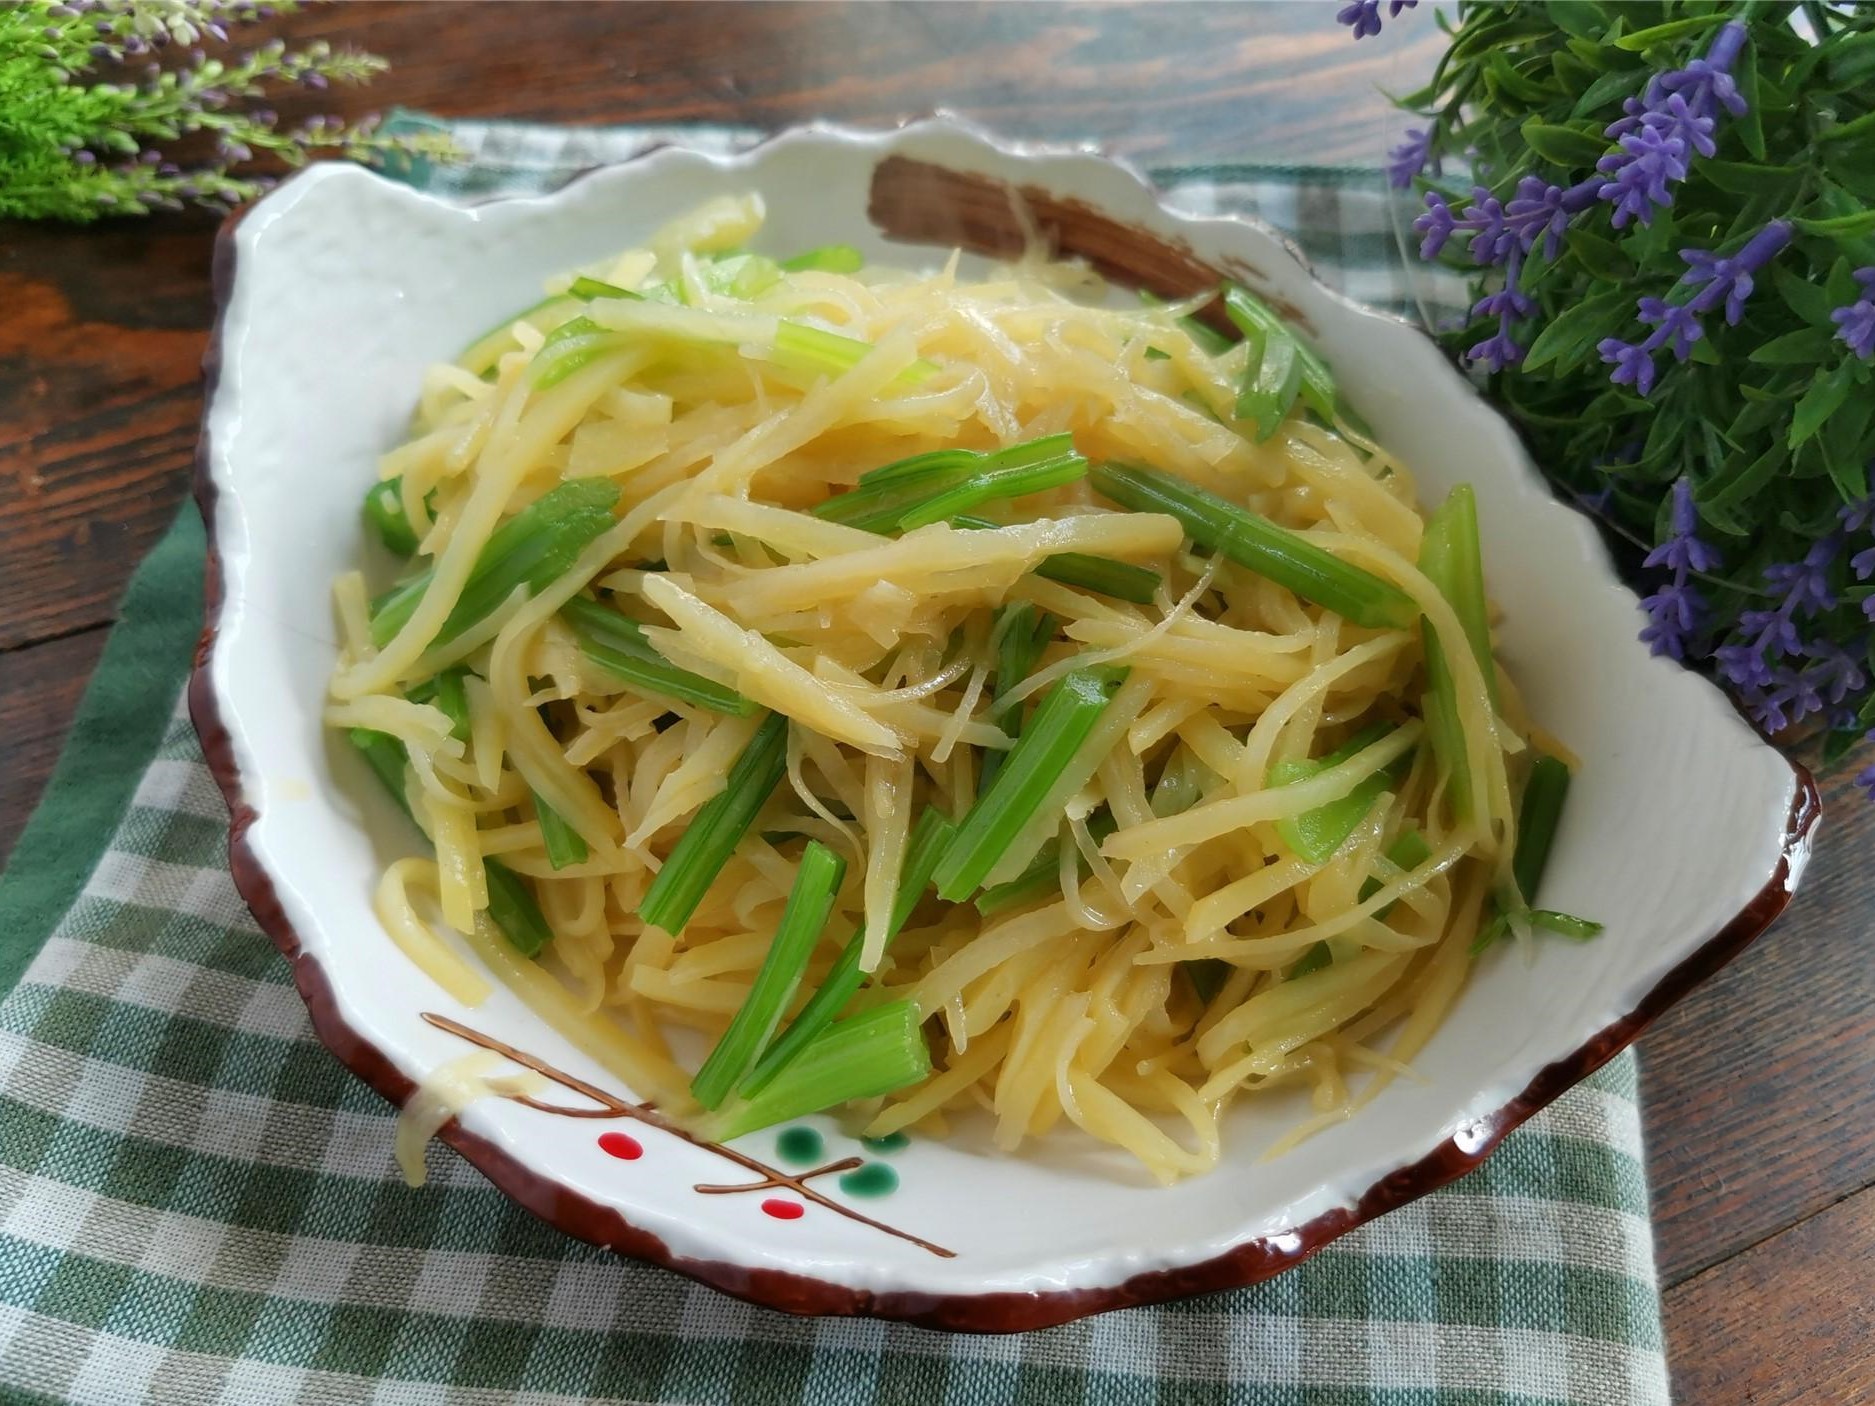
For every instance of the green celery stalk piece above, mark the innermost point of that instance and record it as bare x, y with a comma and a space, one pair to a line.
1537, 819
702, 850
448, 691
864, 1056
1043, 876
992, 482
1207, 975
533, 549
876, 501
810, 902
929, 838
1020, 634
1209, 339
1257, 543
1101, 575
564, 844
618, 645
511, 905
1448, 556
1316, 834
1460, 577
1409, 850
385, 515
586, 289
1035, 764
814, 351
742, 276
1272, 380
1313, 960
1253, 317
575, 343
828, 258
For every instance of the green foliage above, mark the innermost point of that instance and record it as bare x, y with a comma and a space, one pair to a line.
92, 92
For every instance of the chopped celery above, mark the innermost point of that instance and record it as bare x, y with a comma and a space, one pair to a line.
929, 839
1313, 960
1409, 850
1316, 834
385, 515
998, 477
828, 258
1272, 380
702, 850
1449, 558
1259, 544
1119, 579
816, 884
1537, 819
618, 645
1562, 924
449, 692
1256, 319
1019, 636
564, 844
742, 276
1043, 876
577, 342
814, 351
1207, 975
864, 1056
1034, 767
586, 289
511, 905
1208, 338
532, 549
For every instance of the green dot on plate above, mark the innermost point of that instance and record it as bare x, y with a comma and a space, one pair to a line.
873, 1179
891, 1142
800, 1146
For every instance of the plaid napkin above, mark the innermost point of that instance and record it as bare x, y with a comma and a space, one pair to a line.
199, 1205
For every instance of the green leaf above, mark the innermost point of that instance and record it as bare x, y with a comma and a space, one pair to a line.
1804, 347
1610, 86
1577, 17
1601, 257
1573, 332
1823, 399
1572, 147
1838, 226
1748, 178
1750, 127
1507, 79
1804, 298
1666, 33
1718, 499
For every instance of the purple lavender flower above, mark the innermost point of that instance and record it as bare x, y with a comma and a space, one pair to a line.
1706, 84
1776, 696
1677, 608
1678, 324
1633, 363
1409, 158
1541, 209
1435, 226
1640, 174
1729, 277
1806, 583
1855, 324
1492, 239
1363, 16
1837, 673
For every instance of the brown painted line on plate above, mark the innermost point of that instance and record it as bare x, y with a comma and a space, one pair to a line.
790, 1292
622, 1108
845, 1164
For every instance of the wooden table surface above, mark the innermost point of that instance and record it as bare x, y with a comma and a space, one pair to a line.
1760, 1089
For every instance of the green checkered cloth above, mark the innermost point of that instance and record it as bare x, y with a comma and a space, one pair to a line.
199, 1205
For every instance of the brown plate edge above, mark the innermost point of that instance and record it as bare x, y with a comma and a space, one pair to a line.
601, 1225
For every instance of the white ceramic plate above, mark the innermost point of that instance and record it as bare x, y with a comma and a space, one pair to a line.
1684, 832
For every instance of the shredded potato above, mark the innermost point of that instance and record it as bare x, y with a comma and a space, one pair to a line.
646, 530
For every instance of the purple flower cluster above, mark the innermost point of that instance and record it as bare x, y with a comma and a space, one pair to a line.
1672, 121
1727, 279
1409, 158
1762, 664
1363, 16
1677, 609
1855, 324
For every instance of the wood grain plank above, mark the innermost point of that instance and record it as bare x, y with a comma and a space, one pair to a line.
1788, 1323
39, 691
1759, 1089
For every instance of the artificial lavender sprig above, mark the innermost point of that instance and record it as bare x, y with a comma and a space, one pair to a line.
1855, 324
1677, 609
1363, 16
1727, 279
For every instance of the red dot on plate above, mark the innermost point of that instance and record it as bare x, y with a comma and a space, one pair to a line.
784, 1210
623, 1146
